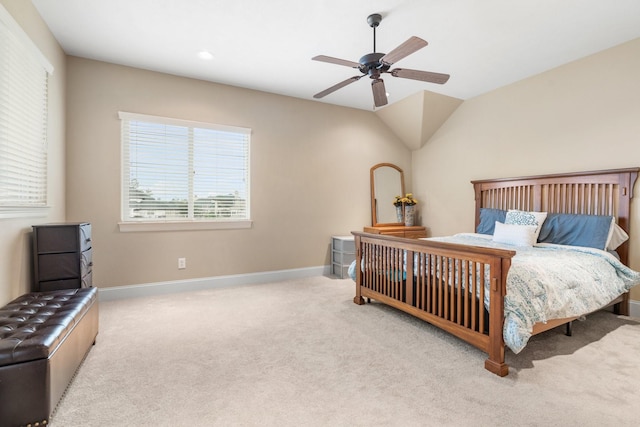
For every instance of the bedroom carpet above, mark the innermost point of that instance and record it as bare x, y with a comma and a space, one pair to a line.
301, 353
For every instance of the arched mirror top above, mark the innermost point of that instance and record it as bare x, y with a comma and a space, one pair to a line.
387, 182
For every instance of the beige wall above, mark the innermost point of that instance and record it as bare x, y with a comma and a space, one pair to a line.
15, 255
581, 116
310, 161
309, 174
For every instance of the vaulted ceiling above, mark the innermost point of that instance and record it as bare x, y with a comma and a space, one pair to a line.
268, 45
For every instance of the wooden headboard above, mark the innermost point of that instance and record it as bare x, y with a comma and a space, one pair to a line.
606, 192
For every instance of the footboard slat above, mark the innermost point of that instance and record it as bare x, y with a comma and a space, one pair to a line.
439, 293
478, 307
457, 288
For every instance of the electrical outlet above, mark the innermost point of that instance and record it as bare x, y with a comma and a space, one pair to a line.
182, 263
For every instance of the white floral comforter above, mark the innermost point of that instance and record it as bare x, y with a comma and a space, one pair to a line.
553, 281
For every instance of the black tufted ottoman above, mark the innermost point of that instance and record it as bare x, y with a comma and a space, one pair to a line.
44, 337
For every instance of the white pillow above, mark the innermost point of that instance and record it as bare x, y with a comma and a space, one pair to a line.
518, 217
617, 236
515, 234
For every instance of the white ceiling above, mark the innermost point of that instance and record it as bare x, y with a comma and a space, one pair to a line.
268, 45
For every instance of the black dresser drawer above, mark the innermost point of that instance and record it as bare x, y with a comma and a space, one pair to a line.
56, 285
63, 256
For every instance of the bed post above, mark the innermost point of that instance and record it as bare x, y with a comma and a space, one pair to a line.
627, 179
477, 188
358, 298
495, 363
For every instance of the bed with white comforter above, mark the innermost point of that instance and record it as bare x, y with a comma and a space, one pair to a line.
550, 281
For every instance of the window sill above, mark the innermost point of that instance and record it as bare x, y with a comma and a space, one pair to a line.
35, 212
132, 227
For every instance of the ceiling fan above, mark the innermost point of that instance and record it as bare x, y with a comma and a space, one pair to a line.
374, 64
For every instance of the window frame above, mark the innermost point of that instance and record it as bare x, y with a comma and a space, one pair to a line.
180, 224
35, 201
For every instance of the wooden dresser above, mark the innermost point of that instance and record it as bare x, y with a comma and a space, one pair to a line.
413, 232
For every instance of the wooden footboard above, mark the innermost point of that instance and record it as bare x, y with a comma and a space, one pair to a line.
441, 283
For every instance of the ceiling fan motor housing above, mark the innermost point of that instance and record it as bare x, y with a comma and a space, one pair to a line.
370, 64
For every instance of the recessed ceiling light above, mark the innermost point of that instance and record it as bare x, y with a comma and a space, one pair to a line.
205, 55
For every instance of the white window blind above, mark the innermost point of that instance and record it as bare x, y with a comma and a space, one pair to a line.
24, 75
178, 170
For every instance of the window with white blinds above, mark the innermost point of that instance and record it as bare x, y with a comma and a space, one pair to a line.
178, 170
24, 75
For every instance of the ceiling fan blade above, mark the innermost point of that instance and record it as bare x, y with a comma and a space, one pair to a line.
405, 49
336, 87
424, 76
379, 93
338, 61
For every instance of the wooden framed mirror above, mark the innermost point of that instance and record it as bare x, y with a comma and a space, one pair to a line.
387, 182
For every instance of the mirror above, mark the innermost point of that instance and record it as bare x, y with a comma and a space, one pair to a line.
387, 182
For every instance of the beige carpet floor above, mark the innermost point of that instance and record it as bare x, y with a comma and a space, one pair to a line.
300, 353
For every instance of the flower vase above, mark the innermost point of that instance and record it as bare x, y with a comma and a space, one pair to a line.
409, 214
399, 214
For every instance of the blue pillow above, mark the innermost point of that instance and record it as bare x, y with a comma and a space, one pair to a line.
576, 230
488, 218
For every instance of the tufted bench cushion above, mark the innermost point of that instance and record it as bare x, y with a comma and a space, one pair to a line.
44, 336
33, 325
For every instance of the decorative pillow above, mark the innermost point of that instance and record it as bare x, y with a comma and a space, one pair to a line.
592, 231
515, 234
526, 218
488, 218
617, 236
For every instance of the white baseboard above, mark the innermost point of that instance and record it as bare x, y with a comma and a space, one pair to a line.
634, 308
159, 288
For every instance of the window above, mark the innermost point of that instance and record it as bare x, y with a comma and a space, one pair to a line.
24, 76
178, 171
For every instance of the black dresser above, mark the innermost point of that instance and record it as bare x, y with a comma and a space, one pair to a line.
62, 256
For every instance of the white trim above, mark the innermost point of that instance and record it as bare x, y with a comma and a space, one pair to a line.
24, 212
24, 38
161, 288
24, 109
123, 115
634, 309
134, 226
212, 178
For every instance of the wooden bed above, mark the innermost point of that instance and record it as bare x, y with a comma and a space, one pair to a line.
388, 273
